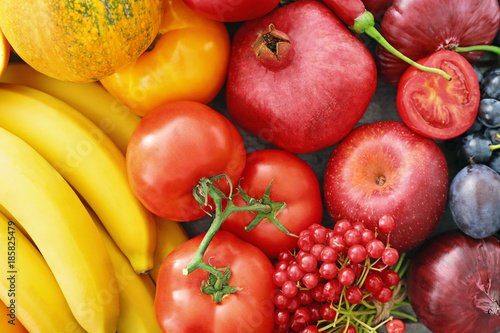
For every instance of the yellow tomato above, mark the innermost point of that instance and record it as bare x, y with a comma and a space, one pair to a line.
188, 62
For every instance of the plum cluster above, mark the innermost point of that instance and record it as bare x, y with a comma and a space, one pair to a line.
480, 143
335, 272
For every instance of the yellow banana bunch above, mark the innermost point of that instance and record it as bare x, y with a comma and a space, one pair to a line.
36, 195
91, 99
169, 235
86, 157
137, 291
31, 290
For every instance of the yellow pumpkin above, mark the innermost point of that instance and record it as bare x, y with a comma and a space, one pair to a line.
80, 40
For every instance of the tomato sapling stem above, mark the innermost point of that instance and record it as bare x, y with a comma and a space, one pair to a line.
265, 208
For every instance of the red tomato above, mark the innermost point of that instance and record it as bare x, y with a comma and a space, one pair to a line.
434, 107
294, 182
232, 11
175, 146
181, 307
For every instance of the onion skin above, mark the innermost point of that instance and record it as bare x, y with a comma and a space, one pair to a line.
418, 28
320, 92
454, 283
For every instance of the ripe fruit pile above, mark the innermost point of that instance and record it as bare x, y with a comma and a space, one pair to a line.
335, 278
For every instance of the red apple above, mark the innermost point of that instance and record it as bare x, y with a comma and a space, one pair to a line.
385, 168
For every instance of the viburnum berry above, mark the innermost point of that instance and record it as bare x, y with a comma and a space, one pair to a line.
310, 329
390, 256
386, 223
310, 280
333, 269
281, 316
357, 253
375, 248
384, 295
346, 276
354, 294
341, 227
373, 283
395, 326
390, 277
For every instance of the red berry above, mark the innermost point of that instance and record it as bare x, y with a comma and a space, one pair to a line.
281, 316
350, 329
279, 277
341, 226
310, 280
295, 272
390, 256
301, 316
375, 248
337, 242
281, 265
285, 256
332, 289
328, 254
281, 301
314, 311
313, 226
386, 223
316, 250
357, 253
390, 277
289, 289
395, 326
319, 234
304, 296
318, 293
384, 295
373, 283
366, 236
310, 329
327, 312
352, 236
328, 270
354, 295
305, 242
294, 305
359, 226
307, 262
346, 276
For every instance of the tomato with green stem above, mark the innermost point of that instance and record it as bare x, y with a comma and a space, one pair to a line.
238, 301
294, 183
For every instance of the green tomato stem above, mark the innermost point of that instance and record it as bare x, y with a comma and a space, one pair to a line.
488, 48
373, 33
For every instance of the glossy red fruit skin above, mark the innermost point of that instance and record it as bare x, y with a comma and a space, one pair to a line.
319, 93
434, 107
453, 280
413, 181
418, 28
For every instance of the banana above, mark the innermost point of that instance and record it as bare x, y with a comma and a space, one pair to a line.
88, 160
169, 235
137, 291
39, 198
35, 298
91, 99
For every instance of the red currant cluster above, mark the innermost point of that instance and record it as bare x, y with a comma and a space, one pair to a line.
334, 272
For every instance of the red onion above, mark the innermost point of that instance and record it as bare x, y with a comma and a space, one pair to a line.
454, 283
